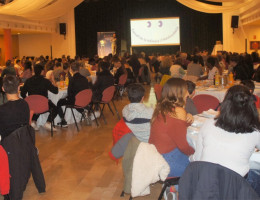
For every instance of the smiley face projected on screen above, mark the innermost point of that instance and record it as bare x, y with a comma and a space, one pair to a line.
155, 31
160, 24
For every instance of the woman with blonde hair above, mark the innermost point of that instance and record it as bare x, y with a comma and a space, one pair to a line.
169, 126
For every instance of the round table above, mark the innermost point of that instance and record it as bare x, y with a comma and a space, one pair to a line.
68, 116
219, 93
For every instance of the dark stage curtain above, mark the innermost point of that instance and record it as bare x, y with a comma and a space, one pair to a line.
196, 28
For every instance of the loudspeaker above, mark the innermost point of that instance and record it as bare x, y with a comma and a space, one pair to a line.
234, 21
63, 28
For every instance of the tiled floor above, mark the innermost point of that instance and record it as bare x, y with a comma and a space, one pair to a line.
76, 165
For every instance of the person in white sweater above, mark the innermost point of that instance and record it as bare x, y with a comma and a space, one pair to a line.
136, 115
231, 138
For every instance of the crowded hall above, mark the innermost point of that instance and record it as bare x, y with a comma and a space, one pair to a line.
129, 99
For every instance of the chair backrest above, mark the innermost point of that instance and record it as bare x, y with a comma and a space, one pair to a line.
165, 78
122, 79
37, 103
158, 91
108, 94
205, 180
204, 102
83, 98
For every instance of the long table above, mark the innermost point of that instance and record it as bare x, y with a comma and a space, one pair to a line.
68, 117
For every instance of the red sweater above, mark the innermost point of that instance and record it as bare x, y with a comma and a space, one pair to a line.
166, 136
4, 172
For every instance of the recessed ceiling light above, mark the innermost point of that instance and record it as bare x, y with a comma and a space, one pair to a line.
18, 33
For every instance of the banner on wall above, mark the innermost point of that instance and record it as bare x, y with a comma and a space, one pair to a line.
104, 44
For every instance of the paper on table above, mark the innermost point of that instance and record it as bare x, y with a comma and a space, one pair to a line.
212, 89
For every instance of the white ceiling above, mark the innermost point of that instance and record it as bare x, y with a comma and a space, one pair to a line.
39, 9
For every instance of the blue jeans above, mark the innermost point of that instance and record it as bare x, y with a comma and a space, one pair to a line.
253, 179
177, 161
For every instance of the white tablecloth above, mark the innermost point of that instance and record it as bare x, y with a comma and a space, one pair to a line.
68, 117
192, 137
218, 92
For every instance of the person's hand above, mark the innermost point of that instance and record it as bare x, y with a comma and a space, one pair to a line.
189, 118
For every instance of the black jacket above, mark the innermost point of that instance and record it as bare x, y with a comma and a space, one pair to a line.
77, 83
120, 71
104, 80
23, 160
241, 72
38, 85
204, 181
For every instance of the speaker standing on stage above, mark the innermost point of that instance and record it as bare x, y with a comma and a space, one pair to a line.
113, 44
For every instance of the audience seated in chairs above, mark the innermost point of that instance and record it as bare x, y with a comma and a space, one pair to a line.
144, 72
39, 85
104, 80
176, 69
9, 69
222, 140
169, 126
136, 115
194, 68
120, 69
76, 84
27, 73
251, 86
130, 74
190, 106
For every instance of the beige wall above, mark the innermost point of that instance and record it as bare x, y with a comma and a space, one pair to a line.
34, 45
15, 48
61, 45
250, 32
40, 44
235, 42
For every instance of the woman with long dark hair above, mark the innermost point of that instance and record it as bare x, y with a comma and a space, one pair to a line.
231, 138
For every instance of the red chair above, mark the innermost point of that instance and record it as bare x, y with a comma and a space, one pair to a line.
107, 97
121, 85
158, 91
82, 100
204, 102
257, 101
38, 104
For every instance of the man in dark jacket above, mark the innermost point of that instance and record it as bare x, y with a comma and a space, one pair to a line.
104, 80
14, 113
77, 83
240, 69
23, 161
38, 85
